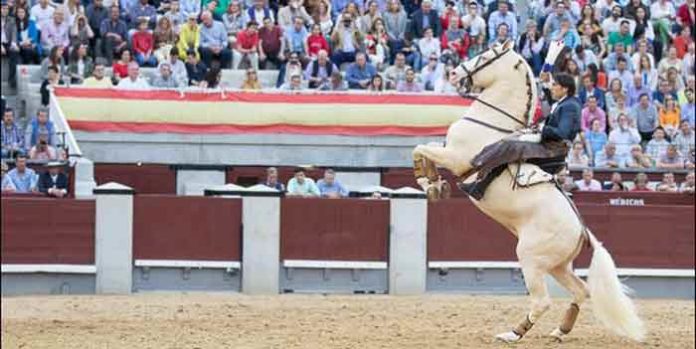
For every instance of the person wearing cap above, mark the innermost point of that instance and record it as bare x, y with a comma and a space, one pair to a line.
54, 182
426, 17
189, 37
23, 178
164, 78
500, 16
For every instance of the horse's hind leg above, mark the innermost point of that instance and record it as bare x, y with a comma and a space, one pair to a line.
578, 289
540, 302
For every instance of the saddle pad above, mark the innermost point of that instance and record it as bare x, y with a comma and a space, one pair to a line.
529, 174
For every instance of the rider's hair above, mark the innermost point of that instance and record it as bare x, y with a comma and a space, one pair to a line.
566, 81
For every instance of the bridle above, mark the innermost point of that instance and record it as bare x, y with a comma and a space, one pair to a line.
468, 82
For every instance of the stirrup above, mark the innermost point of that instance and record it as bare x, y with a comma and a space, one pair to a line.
472, 189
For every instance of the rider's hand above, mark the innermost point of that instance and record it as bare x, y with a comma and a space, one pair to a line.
532, 138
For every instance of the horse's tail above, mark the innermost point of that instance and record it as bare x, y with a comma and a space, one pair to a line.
610, 298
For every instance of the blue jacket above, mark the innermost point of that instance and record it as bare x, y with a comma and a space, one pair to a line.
564, 122
33, 34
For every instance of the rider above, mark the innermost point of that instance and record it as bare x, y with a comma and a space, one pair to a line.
550, 143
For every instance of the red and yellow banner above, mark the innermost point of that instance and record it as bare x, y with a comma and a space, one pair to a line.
112, 110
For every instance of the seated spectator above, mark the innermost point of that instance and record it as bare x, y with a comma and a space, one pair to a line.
624, 36
503, 15
669, 116
688, 109
189, 37
213, 42
409, 84
595, 138
657, 145
292, 67
300, 185
577, 157
247, 46
455, 41
684, 139
133, 81
114, 33
143, 43
322, 16
295, 83
329, 187
668, 184
80, 31
81, 65
195, 70
346, 40
429, 46
624, 136
294, 9
271, 180
55, 32
646, 117
316, 42
119, 69
7, 185
615, 183
671, 159
42, 13
215, 10
431, 72
689, 184
376, 84
98, 79
251, 82
336, 83
258, 11
619, 108
671, 61
636, 90
178, 67
590, 90
12, 135
615, 91
592, 112
611, 62
377, 45
141, 10
371, 15
641, 183
609, 158
662, 92
397, 72
443, 85
54, 58
588, 183
175, 16
54, 182
319, 70
567, 34
360, 73
42, 151
622, 73
637, 159
164, 77
565, 181
271, 45
235, 21
28, 38
213, 79
50, 84
295, 38
23, 178
40, 124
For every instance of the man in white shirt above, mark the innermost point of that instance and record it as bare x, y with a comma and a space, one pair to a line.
133, 81
624, 136
473, 20
42, 12
588, 183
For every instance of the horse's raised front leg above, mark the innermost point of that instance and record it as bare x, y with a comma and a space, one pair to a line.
540, 302
571, 282
426, 158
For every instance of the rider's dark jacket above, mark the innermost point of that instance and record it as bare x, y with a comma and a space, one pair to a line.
564, 122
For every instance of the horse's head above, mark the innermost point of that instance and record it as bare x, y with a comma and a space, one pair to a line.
486, 68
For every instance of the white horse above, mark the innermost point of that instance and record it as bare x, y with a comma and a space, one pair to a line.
549, 231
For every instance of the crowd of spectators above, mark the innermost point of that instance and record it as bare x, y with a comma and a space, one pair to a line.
633, 59
301, 185
638, 183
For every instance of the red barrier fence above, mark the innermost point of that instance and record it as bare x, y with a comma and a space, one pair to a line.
145, 179
186, 228
47, 231
324, 229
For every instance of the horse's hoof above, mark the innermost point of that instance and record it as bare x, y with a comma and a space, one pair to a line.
508, 337
433, 193
556, 335
446, 190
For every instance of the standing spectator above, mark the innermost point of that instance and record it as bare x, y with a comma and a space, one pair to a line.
671, 159
577, 157
316, 42
119, 69
300, 185
9, 49
684, 139
688, 108
143, 44
133, 81
54, 182
189, 37
235, 20
271, 180
319, 71
588, 183
592, 112
12, 136
669, 116
42, 13
251, 82
7, 185
395, 21
98, 79
668, 185
397, 72
637, 159
213, 42
271, 44
195, 69
409, 84
164, 78
81, 65
55, 32
24, 179
502, 15
689, 184
426, 17
624, 136
114, 33
28, 38
595, 138
360, 73
247, 46
329, 187
657, 145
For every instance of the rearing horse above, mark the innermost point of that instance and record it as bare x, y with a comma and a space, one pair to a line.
550, 233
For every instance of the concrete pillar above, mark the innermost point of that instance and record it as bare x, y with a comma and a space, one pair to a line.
260, 237
408, 242
114, 238
84, 178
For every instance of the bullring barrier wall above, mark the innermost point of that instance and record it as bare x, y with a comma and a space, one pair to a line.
262, 243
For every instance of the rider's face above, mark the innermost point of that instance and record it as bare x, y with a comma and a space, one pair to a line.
558, 91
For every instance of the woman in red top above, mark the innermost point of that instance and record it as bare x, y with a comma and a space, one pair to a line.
377, 44
316, 41
120, 67
142, 43
449, 14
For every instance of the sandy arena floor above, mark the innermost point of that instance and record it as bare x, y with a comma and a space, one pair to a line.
203, 320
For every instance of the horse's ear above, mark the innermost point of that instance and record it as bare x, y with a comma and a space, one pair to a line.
507, 44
